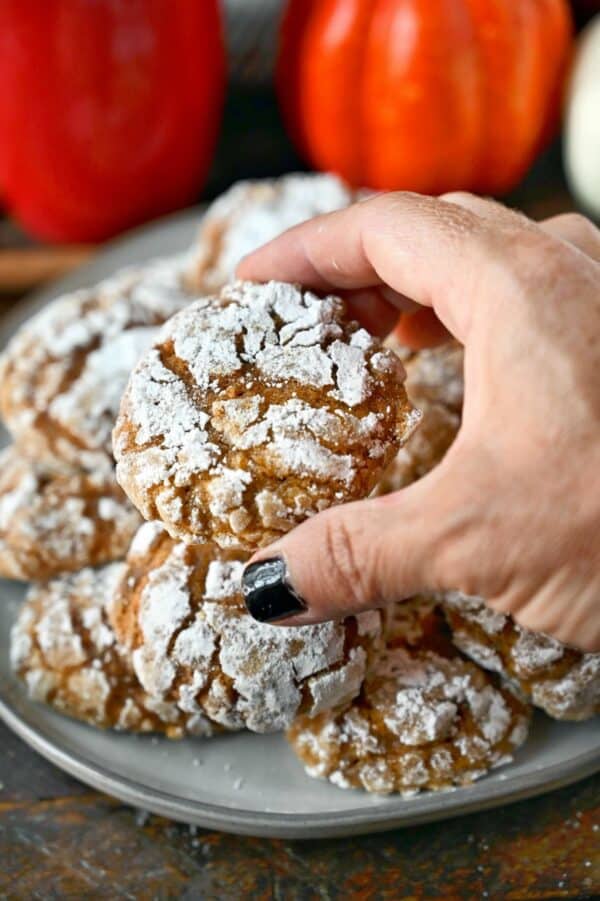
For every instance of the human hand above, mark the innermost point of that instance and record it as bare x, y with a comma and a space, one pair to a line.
512, 513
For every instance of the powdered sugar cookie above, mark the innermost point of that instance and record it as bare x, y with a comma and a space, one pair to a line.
64, 649
251, 213
416, 622
561, 680
255, 410
425, 448
436, 376
435, 384
59, 522
62, 375
421, 721
180, 612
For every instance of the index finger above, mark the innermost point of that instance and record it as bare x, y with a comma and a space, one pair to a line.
424, 248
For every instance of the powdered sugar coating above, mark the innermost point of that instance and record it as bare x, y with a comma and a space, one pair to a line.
561, 680
421, 721
435, 383
424, 450
436, 375
180, 612
52, 523
255, 410
251, 213
64, 649
62, 375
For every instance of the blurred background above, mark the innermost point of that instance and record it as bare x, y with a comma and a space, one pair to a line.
115, 112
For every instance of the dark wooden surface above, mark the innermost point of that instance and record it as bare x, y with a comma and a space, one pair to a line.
58, 839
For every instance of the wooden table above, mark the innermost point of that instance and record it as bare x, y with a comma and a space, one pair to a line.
58, 839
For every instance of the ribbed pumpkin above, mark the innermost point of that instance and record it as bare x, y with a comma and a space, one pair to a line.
424, 95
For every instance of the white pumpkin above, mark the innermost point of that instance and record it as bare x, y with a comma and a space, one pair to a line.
582, 127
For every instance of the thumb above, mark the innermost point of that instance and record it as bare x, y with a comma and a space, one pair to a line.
359, 556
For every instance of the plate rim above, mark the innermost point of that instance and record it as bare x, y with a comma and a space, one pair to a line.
238, 820
290, 825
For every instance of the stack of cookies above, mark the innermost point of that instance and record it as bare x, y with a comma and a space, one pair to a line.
225, 413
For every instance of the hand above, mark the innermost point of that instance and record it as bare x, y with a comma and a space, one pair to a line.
513, 512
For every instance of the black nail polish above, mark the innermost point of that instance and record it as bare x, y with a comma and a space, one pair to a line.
267, 592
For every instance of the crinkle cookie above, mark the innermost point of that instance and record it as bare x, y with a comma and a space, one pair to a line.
436, 376
421, 721
561, 680
251, 213
59, 522
180, 612
425, 448
65, 651
416, 622
255, 410
63, 373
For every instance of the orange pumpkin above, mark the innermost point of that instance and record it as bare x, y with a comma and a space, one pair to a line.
424, 95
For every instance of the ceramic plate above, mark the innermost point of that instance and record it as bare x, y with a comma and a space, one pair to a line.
249, 783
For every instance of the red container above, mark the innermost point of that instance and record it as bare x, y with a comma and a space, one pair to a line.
109, 110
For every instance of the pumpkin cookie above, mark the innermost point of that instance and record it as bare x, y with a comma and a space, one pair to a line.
180, 613
424, 719
561, 680
425, 448
416, 622
251, 213
59, 522
65, 651
436, 376
255, 410
434, 383
63, 373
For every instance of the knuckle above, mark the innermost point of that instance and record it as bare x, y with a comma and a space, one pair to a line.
575, 224
459, 197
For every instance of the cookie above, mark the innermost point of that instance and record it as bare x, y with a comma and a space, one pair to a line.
436, 376
423, 719
180, 613
416, 622
65, 651
63, 373
435, 384
59, 522
561, 680
424, 450
251, 213
255, 410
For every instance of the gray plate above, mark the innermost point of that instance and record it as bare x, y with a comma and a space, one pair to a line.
247, 783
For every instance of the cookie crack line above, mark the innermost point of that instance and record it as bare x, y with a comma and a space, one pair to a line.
254, 410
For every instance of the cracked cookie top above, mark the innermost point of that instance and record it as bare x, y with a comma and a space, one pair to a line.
424, 718
251, 213
64, 649
59, 522
561, 680
254, 410
424, 450
180, 612
62, 375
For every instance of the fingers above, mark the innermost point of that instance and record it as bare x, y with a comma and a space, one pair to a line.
576, 230
355, 557
490, 210
429, 250
573, 228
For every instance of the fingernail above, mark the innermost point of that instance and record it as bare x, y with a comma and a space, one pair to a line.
267, 592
